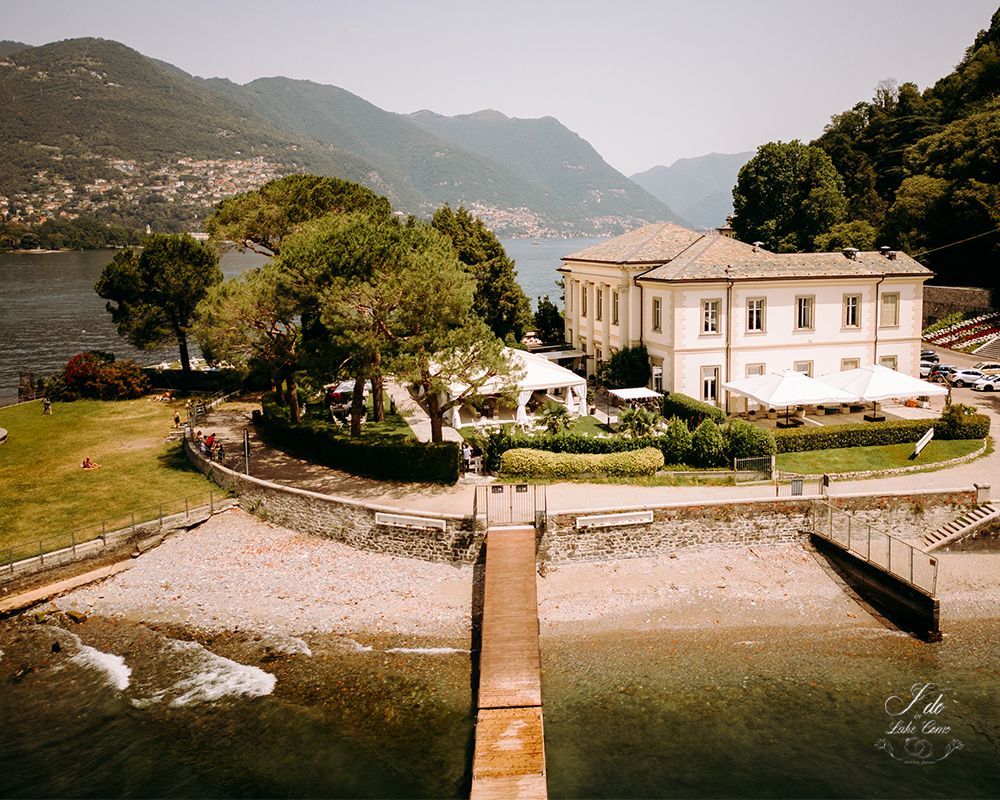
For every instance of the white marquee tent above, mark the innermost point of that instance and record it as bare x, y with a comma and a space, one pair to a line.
875, 382
537, 373
788, 388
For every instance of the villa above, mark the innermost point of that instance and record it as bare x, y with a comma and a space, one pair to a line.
711, 309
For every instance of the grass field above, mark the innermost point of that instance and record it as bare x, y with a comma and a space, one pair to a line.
43, 490
861, 459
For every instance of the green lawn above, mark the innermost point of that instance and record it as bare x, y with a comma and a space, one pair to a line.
43, 490
860, 459
392, 428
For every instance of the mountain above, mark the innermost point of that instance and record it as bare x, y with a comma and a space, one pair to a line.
546, 151
90, 126
699, 189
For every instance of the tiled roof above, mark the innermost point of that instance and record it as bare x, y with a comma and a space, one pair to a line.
650, 244
678, 254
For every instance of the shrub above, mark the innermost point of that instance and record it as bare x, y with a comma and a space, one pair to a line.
676, 444
626, 368
961, 425
744, 440
527, 463
960, 421
96, 375
555, 418
708, 448
690, 410
318, 441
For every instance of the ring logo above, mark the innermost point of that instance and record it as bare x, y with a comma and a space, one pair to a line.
917, 731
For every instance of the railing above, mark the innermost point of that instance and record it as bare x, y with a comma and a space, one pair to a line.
198, 411
753, 468
94, 538
511, 503
877, 547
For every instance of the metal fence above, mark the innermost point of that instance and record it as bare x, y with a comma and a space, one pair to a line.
510, 503
753, 468
94, 538
876, 546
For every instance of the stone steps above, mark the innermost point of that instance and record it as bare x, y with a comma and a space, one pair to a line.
960, 527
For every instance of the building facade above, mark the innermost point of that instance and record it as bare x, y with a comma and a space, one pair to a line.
710, 309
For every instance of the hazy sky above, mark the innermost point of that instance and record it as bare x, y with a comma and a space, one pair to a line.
644, 82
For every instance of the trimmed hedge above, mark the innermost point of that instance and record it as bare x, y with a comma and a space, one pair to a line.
692, 411
868, 434
526, 463
320, 442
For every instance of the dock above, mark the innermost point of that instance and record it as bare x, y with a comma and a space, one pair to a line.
509, 759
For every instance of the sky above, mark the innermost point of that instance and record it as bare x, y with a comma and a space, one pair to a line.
644, 82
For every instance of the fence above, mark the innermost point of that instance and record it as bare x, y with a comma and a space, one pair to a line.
883, 550
198, 411
753, 468
510, 503
96, 537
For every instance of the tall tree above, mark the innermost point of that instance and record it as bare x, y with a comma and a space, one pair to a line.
153, 294
250, 319
260, 220
549, 324
786, 196
499, 301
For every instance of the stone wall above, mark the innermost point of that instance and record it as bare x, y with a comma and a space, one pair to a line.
940, 301
741, 523
346, 520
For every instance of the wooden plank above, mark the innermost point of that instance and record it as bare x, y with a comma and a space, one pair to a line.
510, 755
509, 663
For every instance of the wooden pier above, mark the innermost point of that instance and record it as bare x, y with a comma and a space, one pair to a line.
509, 759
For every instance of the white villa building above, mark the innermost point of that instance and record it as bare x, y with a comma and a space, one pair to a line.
711, 309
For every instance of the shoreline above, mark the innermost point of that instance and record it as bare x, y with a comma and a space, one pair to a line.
237, 573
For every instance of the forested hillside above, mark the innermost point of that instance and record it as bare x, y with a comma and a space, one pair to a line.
923, 168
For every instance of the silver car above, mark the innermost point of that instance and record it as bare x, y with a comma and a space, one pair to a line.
964, 377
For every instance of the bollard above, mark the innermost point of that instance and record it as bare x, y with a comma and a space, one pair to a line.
187, 513
133, 523
161, 514
41, 555
72, 538
211, 502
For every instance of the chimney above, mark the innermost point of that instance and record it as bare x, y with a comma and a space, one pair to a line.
756, 245
888, 252
851, 253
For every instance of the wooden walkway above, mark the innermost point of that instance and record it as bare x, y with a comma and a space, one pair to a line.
509, 760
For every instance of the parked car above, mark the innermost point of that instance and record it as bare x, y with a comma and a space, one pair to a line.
987, 383
925, 368
987, 367
929, 355
939, 372
964, 377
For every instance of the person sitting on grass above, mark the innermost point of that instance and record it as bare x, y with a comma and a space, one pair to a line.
88, 463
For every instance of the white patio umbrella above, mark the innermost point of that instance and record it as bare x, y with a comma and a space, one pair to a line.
875, 382
787, 389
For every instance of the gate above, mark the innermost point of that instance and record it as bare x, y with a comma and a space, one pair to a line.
753, 468
510, 503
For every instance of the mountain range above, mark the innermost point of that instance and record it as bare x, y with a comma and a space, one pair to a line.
92, 126
699, 189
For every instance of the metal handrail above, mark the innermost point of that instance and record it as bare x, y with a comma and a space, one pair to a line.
853, 545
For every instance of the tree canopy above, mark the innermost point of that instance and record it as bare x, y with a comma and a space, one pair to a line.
499, 300
787, 195
152, 294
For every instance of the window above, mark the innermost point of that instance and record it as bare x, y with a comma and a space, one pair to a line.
656, 314
892, 362
710, 316
804, 366
598, 354
804, 313
583, 300
849, 363
657, 379
710, 384
755, 315
890, 310
614, 308
852, 311
754, 369
569, 335
599, 304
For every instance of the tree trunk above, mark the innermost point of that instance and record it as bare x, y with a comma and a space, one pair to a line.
294, 412
182, 343
278, 386
357, 403
378, 400
436, 417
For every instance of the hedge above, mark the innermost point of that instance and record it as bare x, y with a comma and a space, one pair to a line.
526, 463
319, 442
868, 434
692, 411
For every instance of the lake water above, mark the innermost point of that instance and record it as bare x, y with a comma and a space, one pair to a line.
123, 710
49, 311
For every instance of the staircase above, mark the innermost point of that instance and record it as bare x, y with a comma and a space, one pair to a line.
959, 528
989, 350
